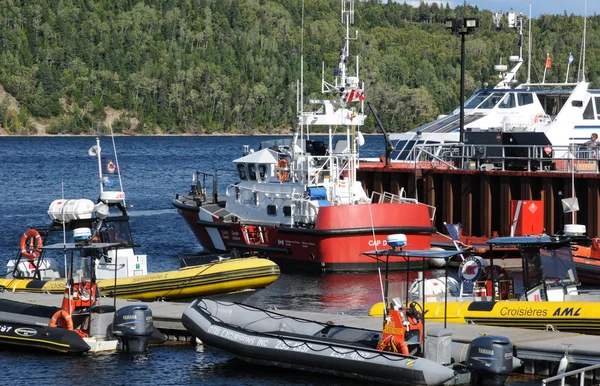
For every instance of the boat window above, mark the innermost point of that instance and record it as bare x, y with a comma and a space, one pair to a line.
524, 99
597, 102
532, 273
262, 171
271, 210
237, 193
476, 101
508, 102
242, 172
588, 113
558, 265
252, 172
491, 102
287, 211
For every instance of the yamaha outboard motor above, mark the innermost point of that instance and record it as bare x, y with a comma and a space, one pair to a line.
133, 326
490, 359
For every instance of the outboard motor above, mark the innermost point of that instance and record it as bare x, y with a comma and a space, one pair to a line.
490, 359
133, 326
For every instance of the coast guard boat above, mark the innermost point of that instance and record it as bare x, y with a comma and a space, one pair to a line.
299, 201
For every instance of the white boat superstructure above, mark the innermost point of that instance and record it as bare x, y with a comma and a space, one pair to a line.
567, 113
285, 182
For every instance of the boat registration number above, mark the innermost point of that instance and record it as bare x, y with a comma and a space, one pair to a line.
291, 346
4, 328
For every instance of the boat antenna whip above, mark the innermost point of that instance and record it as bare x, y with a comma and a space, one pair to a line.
68, 282
378, 266
116, 160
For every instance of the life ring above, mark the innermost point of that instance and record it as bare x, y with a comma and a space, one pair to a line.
33, 250
282, 174
61, 314
539, 117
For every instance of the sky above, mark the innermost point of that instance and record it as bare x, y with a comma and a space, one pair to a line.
576, 7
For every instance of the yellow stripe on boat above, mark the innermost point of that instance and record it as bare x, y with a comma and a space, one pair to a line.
209, 279
573, 316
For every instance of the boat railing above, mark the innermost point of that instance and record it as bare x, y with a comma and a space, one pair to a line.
492, 157
573, 373
387, 197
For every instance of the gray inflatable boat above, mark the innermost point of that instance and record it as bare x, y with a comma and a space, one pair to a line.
268, 338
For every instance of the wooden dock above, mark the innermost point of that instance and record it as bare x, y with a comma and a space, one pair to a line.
540, 350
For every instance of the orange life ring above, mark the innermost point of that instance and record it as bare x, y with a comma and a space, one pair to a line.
65, 316
539, 117
33, 250
282, 174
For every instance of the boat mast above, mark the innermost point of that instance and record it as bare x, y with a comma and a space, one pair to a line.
529, 49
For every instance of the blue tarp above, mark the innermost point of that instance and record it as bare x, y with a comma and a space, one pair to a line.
317, 193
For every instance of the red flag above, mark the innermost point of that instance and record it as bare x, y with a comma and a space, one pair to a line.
355, 96
548, 61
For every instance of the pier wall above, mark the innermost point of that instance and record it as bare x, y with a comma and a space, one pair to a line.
481, 200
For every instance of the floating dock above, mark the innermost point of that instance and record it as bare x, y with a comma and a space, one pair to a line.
540, 350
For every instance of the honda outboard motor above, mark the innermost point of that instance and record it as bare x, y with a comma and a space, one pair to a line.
490, 359
133, 326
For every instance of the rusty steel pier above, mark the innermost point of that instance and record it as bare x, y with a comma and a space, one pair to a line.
481, 199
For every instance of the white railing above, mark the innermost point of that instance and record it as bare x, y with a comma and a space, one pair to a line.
562, 377
483, 157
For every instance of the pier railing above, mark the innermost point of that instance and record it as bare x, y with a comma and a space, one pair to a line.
579, 372
488, 157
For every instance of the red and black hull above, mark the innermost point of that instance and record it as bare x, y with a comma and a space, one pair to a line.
340, 235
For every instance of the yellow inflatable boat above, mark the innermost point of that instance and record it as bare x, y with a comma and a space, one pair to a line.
217, 278
550, 297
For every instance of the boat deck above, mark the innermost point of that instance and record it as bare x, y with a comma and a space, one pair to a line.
539, 349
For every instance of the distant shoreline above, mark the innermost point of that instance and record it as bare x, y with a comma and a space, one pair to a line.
2, 135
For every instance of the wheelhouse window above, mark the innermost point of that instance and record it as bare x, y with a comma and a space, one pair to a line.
524, 99
588, 113
597, 103
491, 102
262, 172
242, 172
252, 172
271, 210
287, 211
476, 100
508, 102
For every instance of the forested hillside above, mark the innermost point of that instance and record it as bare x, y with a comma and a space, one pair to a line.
201, 66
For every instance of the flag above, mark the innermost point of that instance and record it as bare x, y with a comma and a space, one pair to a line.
548, 61
454, 230
570, 58
109, 167
355, 95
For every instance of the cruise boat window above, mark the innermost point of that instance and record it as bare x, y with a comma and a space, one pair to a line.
252, 172
491, 102
508, 102
262, 171
271, 210
597, 102
476, 100
524, 99
588, 113
242, 172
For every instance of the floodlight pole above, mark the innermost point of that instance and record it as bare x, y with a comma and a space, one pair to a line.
462, 26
